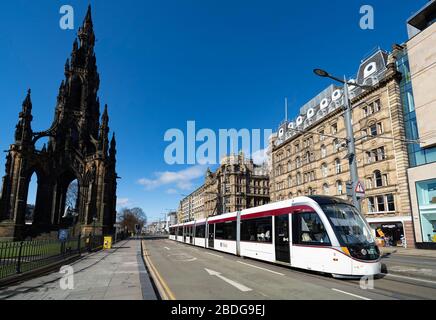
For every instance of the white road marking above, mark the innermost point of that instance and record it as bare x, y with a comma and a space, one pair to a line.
350, 294
408, 278
213, 254
167, 248
237, 285
253, 266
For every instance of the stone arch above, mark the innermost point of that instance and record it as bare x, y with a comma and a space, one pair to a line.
41, 213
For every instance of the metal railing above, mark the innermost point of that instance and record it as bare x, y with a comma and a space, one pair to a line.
25, 256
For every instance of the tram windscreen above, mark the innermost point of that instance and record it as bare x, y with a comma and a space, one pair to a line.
349, 225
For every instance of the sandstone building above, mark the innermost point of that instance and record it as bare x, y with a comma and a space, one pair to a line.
309, 153
237, 184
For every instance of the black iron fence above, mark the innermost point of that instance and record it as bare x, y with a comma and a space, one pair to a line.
25, 256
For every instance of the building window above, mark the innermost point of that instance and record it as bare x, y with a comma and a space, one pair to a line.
334, 128
289, 182
339, 187
371, 205
298, 178
336, 145
324, 170
323, 151
373, 130
426, 193
321, 135
380, 203
378, 179
390, 200
325, 189
289, 166
338, 166
376, 106
307, 159
376, 155
298, 162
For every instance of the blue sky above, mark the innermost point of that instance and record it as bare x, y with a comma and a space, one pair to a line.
224, 64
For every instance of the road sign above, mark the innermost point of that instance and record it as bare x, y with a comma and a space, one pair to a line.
63, 235
360, 190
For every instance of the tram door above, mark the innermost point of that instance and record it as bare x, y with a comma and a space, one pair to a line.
211, 235
282, 238
192, 234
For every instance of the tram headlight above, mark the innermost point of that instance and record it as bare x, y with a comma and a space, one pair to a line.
364, 252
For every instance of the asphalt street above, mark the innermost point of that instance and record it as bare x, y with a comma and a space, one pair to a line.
201, 274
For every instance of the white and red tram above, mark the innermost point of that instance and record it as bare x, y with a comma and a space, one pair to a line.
316, 233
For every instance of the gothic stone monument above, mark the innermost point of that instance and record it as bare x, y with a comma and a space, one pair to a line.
78, 148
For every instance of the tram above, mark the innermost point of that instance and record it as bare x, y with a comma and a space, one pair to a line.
316, 233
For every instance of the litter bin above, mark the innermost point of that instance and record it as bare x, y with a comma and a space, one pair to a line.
107, 243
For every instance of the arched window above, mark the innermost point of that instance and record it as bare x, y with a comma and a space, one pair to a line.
298, 178
339, 187
298, 161
310, 191
290, 195
336, 145
289, 181
289, 166
378, 179
338, 166
324, 170
323, 151
307, 158
325, 189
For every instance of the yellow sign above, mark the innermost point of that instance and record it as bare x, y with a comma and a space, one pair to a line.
107, 243
380, 233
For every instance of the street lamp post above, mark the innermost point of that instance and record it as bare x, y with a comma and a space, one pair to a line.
351, 144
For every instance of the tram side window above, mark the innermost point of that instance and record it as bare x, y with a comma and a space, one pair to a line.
225, 231
257, 230
200, 231
180, 231
308, 229
172, 231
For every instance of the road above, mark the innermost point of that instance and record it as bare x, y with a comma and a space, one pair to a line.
192, 273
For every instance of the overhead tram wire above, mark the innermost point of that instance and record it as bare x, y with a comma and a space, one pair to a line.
407, 141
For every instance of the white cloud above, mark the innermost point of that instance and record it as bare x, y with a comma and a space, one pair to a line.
260, 157
122, 202
182, 180
172, 191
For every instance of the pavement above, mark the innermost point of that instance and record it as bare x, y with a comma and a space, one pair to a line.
116, 274
200, 274
408, 252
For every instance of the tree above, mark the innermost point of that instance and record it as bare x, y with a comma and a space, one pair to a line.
129, 218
